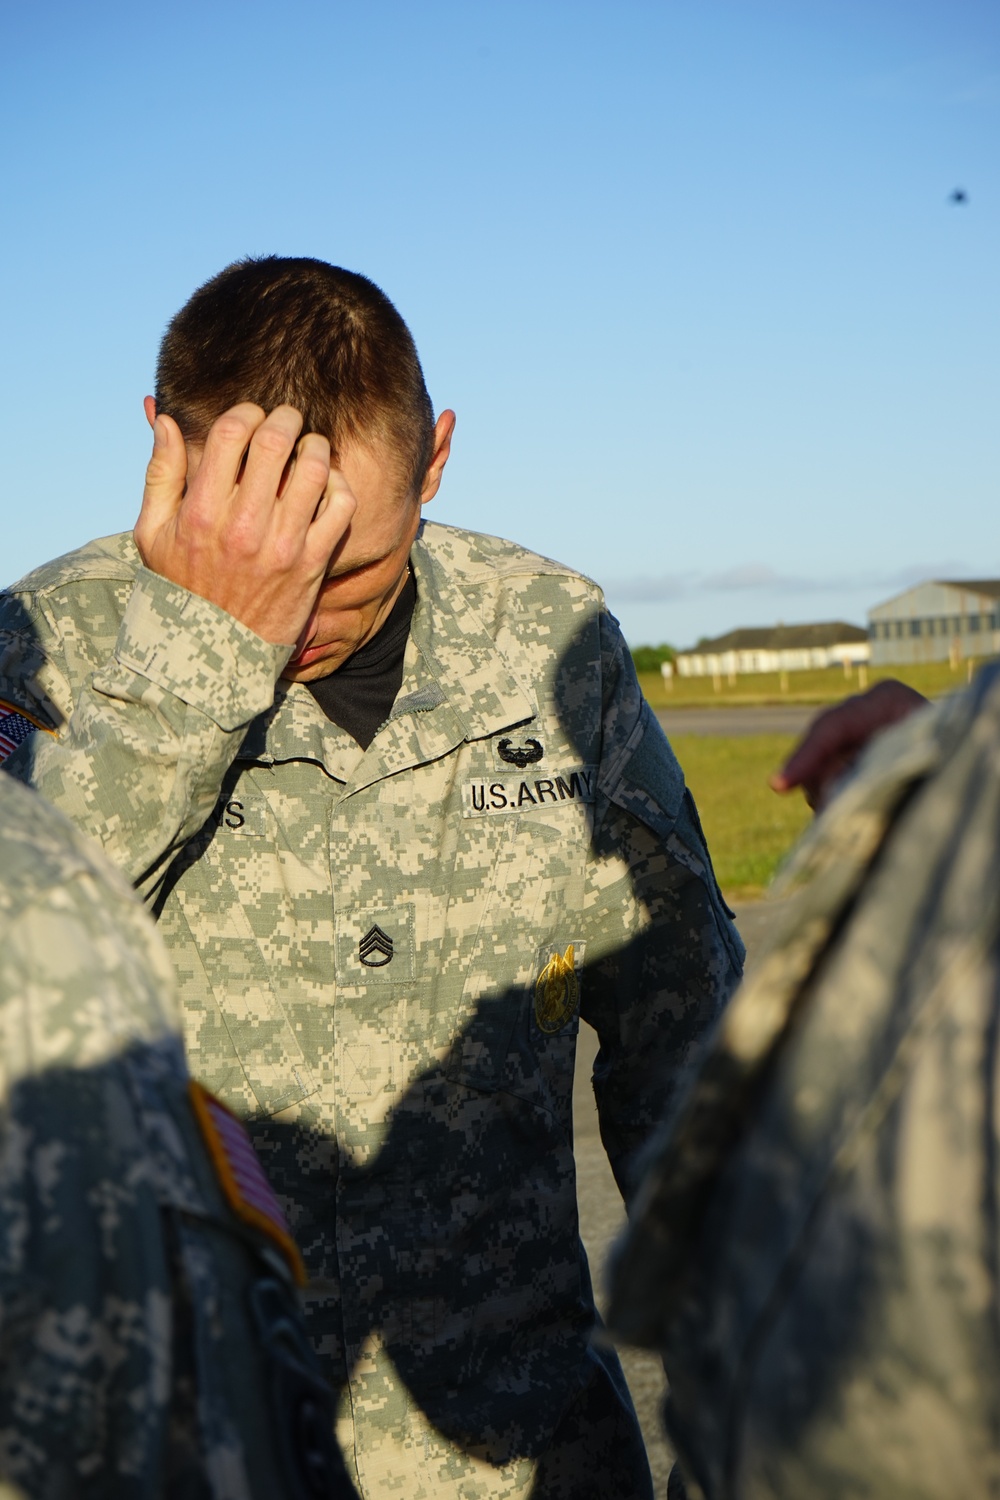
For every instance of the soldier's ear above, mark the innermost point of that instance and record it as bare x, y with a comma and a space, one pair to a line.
149, 407
443, 429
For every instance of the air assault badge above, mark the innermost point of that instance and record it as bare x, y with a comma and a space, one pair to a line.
557, 991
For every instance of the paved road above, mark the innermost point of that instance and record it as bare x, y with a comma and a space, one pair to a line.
602, 1217
767, 719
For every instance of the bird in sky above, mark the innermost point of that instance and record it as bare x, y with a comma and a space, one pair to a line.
958, 196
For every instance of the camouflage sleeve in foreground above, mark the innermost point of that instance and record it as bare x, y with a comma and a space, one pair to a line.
147, 690
815, 1247
150, 1345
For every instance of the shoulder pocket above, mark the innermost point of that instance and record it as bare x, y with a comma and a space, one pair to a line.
651, 787
650, 784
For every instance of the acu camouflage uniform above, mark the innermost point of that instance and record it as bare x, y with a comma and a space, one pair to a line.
359, 938
150, 1342
816, 1247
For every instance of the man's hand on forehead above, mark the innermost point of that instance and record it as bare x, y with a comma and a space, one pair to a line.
254, 530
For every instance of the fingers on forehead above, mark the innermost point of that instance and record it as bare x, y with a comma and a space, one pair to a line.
314, 445
284, 419
277, 435
245, 423
311, 469
235, 427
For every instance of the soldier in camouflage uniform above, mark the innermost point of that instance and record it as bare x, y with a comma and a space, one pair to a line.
150, 1340
384, 950
815, 1247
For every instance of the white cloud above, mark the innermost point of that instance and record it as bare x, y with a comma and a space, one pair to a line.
761, 579
668, 588
920, 572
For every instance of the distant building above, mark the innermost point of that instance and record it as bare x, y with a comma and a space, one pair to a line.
936, 621
779, 648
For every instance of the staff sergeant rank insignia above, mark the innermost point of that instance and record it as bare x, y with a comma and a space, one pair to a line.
557, 991
375, 948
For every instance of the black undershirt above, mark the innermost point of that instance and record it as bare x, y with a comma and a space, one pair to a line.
359, 695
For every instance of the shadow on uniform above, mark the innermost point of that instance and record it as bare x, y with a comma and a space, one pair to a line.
430, 1233
503, 1087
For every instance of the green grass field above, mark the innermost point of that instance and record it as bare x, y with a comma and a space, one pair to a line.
749, 828
820, 686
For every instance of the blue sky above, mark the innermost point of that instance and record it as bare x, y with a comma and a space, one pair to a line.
687, 271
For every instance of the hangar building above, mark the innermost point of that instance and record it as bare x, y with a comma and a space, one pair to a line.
937, 621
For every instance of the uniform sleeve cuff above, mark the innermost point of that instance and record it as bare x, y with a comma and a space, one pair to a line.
197, 652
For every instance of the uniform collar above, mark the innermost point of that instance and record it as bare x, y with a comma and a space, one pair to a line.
457, 687
451, 639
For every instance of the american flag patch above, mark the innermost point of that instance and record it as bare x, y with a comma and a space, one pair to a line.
241, 1176
15, 726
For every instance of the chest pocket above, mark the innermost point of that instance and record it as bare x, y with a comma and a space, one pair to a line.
218, 920
533, 907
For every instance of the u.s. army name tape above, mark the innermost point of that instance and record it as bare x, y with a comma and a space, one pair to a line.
491, 796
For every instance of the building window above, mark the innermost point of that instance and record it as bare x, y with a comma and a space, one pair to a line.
914, 627
974, 624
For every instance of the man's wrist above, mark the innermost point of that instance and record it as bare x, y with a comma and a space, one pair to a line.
194, 650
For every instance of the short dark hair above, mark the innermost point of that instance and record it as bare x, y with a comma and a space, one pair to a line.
278, 330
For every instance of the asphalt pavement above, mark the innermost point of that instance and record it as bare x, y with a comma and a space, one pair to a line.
602, 1218
769, 718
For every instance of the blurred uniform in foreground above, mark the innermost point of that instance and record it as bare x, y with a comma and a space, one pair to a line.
816, 1250
150, 1342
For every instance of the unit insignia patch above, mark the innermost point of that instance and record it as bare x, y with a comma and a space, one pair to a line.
557, 991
